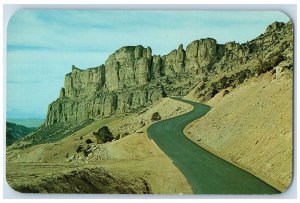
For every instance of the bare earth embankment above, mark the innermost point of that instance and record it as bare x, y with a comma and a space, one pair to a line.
251, 127
132, 164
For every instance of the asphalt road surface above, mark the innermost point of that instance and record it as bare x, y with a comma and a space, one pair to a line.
206, 173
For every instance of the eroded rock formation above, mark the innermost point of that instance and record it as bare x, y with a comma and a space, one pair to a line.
133, 78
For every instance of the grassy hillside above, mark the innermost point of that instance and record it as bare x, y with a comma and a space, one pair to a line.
251, 126
15, 132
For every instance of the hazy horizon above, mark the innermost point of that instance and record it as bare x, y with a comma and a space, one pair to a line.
42, 45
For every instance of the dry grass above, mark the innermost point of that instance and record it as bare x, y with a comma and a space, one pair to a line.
132, 157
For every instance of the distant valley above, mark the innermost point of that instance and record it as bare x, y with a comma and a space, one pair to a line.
15, 132
28, 122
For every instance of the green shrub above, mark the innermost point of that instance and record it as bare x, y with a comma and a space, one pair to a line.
79, 149
88, 141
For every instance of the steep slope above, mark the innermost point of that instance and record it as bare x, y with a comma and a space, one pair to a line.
251, 126
15, 132
132, 78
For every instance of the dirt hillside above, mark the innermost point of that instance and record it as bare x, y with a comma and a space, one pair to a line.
134, 159
251, 126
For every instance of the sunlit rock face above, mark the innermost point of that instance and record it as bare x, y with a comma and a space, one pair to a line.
132, 78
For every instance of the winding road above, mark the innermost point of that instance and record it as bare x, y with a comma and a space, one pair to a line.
206, 173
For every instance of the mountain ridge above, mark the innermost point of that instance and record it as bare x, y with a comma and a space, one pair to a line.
132, 78
27, 122
15, 132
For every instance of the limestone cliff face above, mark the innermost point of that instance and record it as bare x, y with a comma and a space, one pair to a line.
127, 67
201, 54
173, 63
80, 82
133, 78
119, 86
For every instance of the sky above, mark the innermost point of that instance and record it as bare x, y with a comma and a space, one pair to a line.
42, 45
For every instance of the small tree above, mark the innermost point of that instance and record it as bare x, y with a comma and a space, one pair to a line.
103, 135
88, 141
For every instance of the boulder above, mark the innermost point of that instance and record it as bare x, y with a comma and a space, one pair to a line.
103, 135
279, 71
155, 117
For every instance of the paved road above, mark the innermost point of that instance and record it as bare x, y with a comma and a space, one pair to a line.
207, 173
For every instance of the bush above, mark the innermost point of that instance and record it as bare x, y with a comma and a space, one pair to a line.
225, 92
155, 117
103, 135
213, 93
223, 82
88, 141
79, 149
264, 67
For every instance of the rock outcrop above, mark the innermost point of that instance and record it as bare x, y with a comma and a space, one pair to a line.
133, 78
103, 135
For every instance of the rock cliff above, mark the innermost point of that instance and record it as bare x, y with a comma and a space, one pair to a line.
132, 78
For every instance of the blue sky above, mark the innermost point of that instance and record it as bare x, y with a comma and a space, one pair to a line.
42, 45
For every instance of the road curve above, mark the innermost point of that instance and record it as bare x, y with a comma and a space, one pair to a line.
206, 173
